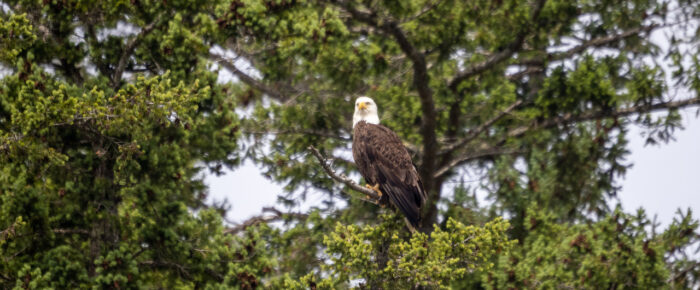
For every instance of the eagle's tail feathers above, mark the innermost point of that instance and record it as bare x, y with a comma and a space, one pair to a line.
405, 204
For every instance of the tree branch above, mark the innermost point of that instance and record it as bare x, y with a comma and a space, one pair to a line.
683, 272
5, 142
486, 152
129, 50
527, 71
158, 263
339, 177
258, 85
595, 42
480, 129
71, 231
299, 132
600, 41
259, 219
598, 114
496, 58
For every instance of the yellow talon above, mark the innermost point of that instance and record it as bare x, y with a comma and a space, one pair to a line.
375, 188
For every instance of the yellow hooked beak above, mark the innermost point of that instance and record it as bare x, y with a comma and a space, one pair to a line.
362, 106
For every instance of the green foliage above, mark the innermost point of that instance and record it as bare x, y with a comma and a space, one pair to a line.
617, 251
383, 259
111, 112
15, 35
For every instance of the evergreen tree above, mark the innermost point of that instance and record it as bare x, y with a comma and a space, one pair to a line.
112, 112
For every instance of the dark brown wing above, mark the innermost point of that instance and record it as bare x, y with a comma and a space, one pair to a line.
381, 158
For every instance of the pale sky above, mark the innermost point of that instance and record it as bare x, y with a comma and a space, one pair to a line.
664, 178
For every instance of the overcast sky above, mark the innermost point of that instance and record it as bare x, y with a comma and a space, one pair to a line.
664, 178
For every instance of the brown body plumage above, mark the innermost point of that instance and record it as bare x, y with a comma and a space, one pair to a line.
383, 160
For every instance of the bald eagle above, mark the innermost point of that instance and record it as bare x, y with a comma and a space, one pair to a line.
385, 163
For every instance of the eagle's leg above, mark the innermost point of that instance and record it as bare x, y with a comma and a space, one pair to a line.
375, 188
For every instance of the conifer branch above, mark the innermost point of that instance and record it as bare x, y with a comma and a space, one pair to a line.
486, 150
342, 178
498, 57
480, 129
277, 215
488, 63
690, 268
600, 41
5, 142
527, 71
570, 118
182, 270
71, 231
129, 50
483, 153
167, 264
586, 44
318, 133
247, 79
426, 9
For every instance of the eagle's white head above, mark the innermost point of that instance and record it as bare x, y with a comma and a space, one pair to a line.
365, 110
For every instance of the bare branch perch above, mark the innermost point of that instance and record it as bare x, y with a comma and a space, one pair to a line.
339, 177
276, 216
